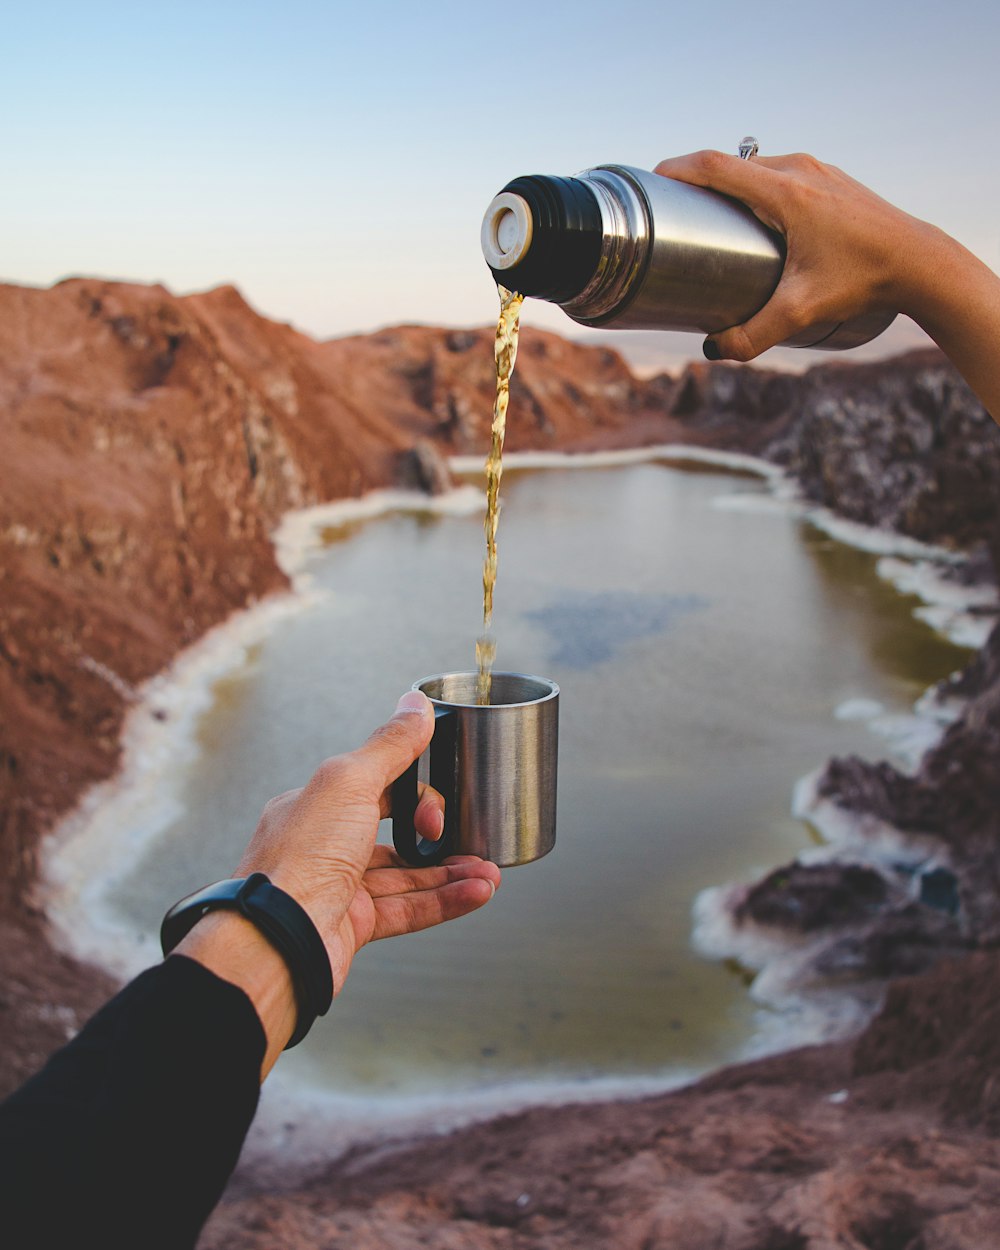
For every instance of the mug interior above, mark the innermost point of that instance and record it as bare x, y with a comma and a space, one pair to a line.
507, 688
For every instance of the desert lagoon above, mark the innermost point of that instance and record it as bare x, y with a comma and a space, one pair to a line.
705, 640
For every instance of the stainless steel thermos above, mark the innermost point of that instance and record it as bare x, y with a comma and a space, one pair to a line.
622, 248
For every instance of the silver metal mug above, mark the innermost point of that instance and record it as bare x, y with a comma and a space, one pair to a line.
495, 765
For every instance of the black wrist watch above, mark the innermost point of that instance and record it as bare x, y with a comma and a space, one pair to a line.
285, 924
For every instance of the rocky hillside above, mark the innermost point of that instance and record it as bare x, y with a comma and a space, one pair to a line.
901, 444
905, 446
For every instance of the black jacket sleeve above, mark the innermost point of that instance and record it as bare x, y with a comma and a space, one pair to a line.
127, 1136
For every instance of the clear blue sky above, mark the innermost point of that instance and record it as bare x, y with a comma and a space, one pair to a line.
334, 160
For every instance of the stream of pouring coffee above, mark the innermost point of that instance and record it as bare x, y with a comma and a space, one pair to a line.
505, 352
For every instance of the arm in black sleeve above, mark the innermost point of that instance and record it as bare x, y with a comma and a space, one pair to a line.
126, 1138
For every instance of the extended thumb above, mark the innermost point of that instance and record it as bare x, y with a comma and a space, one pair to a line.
395, 745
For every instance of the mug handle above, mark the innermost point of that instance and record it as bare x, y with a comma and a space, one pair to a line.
423, 852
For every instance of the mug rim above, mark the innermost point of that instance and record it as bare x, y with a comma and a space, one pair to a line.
551, 693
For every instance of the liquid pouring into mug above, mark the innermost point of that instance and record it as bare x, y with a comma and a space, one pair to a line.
505, 354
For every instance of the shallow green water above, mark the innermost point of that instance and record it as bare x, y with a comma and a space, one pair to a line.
701, 653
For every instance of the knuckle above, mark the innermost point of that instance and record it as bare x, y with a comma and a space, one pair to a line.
393, 733
739, 345
276, 810
432, 799
806, 164
797, 312
273, 807
332, 773
411, 916
709, 161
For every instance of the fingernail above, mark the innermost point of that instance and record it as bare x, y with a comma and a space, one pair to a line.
412, 701
711, 350
493, 888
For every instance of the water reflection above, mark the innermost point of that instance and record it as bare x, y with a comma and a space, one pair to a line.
588, 628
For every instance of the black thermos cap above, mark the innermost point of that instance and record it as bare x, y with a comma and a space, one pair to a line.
565, 242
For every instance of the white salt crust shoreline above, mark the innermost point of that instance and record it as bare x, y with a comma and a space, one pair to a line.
798, 1008
118, 819
97, 845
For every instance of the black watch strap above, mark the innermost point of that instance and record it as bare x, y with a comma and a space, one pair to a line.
285, 924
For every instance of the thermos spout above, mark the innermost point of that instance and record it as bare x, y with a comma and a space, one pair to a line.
622, 248
507, 231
